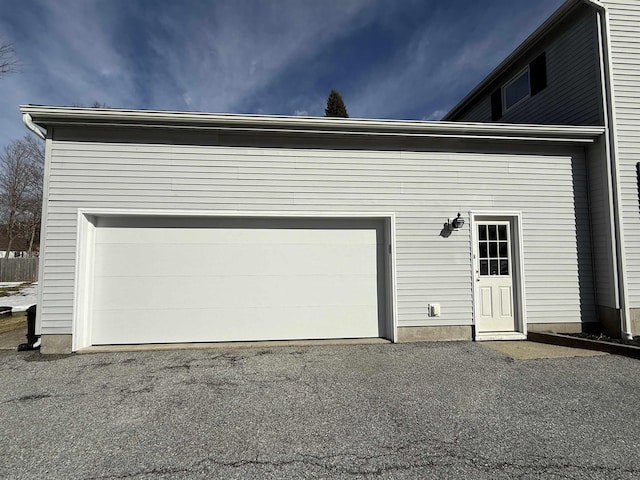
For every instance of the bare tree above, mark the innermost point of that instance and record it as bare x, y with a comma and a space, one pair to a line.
32, 211
8, 62
21, 171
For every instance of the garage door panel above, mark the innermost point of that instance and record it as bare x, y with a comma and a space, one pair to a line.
258, 291
166, 260
235, 236
232, 324
166, 280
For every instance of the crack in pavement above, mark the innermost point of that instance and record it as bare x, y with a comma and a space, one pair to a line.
357, 464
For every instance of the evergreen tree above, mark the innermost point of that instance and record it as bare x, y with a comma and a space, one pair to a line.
335, 105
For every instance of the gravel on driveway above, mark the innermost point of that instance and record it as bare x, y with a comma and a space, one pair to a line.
430, 410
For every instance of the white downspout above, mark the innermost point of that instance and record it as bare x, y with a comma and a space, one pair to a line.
28, 122
612, 150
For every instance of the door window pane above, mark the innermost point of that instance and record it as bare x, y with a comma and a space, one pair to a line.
484, 267
493, 232
502, 232
493, 250
482, 232
504, 250
493, 267
484, 250
504, 267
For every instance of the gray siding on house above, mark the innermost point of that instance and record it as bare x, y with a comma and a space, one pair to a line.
601, 235
573, 92
478, 111
625, 49
423, 189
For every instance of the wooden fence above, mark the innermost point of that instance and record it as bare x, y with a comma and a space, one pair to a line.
19, 269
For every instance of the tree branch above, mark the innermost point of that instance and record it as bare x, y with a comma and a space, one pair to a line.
8, 62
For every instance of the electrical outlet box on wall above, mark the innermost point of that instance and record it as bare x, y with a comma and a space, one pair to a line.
434, 309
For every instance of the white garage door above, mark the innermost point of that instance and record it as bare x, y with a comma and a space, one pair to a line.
164, 280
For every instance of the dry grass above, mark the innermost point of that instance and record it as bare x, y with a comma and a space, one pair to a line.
17, 320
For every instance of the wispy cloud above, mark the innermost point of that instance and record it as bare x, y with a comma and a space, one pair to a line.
435, 115
409, 59
447, 57
224, 54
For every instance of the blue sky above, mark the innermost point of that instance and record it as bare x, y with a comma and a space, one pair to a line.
400, 59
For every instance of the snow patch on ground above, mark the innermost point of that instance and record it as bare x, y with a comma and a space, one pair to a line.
22, 299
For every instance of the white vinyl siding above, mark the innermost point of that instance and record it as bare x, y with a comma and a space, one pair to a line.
423, 189
624, 18
572, 95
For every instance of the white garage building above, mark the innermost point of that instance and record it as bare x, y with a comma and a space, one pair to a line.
176, 227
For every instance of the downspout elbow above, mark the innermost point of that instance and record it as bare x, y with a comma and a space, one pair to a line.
28, 122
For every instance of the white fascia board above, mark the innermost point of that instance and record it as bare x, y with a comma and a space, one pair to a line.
286, 125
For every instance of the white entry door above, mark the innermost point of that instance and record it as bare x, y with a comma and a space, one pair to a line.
494, 277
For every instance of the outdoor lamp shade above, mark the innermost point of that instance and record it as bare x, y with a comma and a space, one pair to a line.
458, 222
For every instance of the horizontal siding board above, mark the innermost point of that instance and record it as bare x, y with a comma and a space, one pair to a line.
50, 329
310, 178
412, 196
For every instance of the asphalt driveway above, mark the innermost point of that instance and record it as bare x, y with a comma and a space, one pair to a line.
439, 410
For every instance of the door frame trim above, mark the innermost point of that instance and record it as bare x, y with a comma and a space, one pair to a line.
85, 253
520, 309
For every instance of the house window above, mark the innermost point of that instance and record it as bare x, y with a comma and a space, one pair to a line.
527, 83
516, 90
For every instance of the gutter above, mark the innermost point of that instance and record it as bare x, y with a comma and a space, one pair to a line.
608, 99
287, 125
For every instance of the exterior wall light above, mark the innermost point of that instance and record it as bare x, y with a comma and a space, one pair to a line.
455, 224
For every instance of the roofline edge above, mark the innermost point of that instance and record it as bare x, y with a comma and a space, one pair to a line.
72, 116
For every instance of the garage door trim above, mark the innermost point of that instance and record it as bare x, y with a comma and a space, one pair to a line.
85, 254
